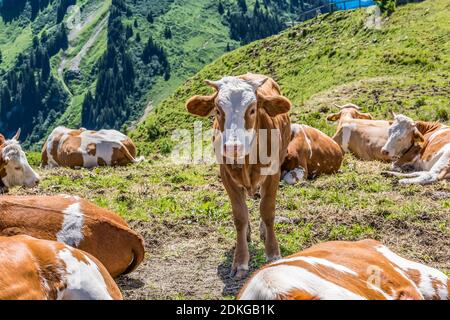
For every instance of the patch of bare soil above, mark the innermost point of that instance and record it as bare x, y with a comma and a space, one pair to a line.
191, 262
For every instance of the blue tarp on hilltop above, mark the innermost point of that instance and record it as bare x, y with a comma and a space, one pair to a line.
353, 4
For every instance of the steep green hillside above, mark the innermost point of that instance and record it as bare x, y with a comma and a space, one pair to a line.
336, 58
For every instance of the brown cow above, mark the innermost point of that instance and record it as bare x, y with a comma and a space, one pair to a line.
421, 146
359, 134
32, 269
14, 167
75, 222
248, 109
311, 153
364, 270
88, 149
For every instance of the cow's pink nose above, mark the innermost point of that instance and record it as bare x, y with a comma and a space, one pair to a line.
234, 149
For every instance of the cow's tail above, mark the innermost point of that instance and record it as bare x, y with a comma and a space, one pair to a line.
132, 159
138, 249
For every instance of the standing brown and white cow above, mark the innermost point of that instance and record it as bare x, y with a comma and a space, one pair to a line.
32, 269
248, 108
14, 167
364, 270
421, 146
359, 134
88, 149
311, 153
77, 223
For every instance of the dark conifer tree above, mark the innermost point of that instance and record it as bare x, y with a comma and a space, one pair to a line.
150, 17
167, 32
242, 5
220, 8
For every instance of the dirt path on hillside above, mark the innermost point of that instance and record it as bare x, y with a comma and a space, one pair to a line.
75, 63
148, 109
73, 34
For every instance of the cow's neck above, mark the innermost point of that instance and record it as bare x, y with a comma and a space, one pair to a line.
427, 127
410, 156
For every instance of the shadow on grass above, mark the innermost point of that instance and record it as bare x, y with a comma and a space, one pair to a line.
127, 283
257, 260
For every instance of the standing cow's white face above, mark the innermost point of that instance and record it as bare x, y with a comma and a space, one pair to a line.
236, 111
236, 105
402, 136
15, 169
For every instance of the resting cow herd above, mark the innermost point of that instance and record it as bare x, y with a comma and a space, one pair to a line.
64, 247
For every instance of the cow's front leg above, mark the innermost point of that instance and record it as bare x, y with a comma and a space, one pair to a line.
267, 209
239, 269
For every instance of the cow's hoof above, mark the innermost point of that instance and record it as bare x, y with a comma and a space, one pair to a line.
4, 190
273, 258
239, 274
387, 174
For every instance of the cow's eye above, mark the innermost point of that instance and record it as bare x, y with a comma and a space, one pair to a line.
252, 112
18, 168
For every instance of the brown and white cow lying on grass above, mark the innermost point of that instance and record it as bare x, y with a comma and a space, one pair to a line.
32, 269
88, 149
364, 270
359, 134
244, 108
75, 222
14, 167
311, 153
421, 146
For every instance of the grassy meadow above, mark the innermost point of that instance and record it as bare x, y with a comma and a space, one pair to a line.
185, 216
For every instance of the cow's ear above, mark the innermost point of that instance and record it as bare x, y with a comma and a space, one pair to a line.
2, 139
201, 105
364, 116
418, 137
275, 105
334, 117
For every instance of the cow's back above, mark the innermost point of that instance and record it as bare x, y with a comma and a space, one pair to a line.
364, 138
75, 222
346, 270
47, 270
88, 149
313, 151
436, 146
62, 149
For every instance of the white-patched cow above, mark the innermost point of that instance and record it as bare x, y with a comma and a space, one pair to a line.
250, 114
311, 153
364, 270
32, 269
14, 167
421, 146
88, 149
75, 222
359, 134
